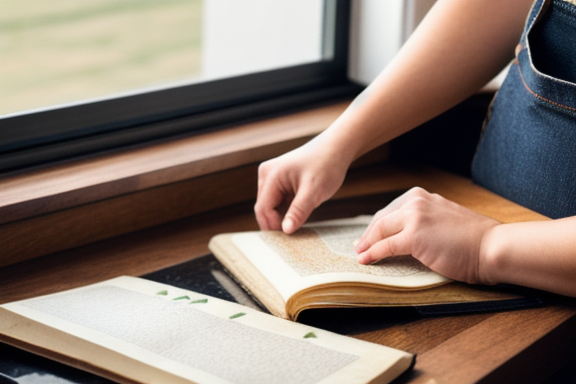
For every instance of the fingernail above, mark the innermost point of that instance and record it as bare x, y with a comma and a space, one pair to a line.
359, 246
288, 225
363, 258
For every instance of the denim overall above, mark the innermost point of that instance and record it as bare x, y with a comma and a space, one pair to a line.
527, 152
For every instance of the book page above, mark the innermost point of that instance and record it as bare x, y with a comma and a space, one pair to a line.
194, 336
322, 253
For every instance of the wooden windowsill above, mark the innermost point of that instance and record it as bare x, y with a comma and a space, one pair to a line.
79, 202
58, 187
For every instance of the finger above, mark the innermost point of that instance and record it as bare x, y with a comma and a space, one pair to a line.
362, 244
393, 206
395, 245
268, 220
302, 206
385, 226
269, 199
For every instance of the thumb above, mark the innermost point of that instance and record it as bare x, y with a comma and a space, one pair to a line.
298, 212
395, 245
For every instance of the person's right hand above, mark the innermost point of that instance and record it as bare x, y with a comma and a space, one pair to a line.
291, 186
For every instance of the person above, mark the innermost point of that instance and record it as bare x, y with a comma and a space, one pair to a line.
459, 47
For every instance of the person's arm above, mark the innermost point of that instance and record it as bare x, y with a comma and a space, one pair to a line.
466, 246
539, 254
458, 47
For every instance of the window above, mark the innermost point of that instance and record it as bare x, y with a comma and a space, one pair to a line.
78, 77
63, 51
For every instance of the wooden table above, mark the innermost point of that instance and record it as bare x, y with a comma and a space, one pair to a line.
514, 346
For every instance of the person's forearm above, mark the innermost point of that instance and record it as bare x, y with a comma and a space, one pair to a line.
539, 254
458, 48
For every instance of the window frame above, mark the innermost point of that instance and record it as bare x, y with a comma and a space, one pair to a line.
58, 133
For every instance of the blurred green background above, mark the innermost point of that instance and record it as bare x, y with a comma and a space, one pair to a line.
60, 51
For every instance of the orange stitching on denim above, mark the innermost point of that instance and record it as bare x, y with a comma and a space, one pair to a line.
537, 95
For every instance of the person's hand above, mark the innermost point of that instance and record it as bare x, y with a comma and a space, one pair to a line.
291, 186
443, 235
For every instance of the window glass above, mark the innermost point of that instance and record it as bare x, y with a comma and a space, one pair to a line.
256, 35
78, 77
56, 52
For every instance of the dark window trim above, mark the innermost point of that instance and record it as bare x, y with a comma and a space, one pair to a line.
60, 133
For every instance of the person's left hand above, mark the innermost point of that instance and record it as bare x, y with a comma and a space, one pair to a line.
443, 235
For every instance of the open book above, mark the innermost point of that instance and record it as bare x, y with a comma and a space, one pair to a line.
132, 330
316, 267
